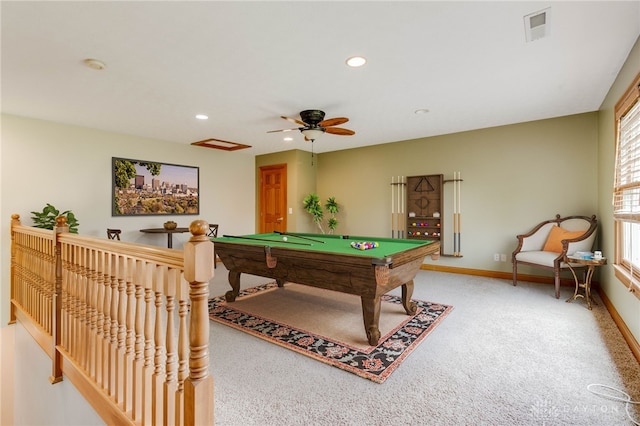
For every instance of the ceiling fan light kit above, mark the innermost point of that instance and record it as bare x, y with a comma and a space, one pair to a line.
313, 133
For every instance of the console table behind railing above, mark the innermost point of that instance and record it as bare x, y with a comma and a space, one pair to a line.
126, 323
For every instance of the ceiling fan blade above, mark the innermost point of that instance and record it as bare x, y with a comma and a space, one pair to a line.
333, 121
283, 130
339, 131
295, 120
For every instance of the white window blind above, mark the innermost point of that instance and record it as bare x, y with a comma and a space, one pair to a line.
626, 196
626, 189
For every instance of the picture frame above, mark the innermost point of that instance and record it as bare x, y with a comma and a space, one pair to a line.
150, 188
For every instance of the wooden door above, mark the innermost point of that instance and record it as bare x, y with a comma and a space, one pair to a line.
273, 198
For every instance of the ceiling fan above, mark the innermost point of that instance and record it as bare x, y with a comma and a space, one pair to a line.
314, 125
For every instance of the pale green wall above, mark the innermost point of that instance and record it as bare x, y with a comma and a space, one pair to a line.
627, 305
70, 167
514, 177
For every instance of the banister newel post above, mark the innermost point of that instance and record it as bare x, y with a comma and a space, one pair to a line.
198, 270
15, 221
56, 312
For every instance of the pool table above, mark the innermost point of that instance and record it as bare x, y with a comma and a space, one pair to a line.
329, 262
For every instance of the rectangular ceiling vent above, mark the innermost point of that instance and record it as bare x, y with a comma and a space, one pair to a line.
537, 25
221, 144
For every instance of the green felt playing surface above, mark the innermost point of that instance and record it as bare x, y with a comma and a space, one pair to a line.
337, 244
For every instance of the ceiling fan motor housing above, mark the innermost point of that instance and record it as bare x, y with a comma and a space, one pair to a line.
312, 116
314, 124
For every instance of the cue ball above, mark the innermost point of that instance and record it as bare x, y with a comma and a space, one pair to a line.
284, 238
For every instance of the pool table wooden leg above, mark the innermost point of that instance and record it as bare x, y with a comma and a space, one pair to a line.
407, 291
371, 316
234, 281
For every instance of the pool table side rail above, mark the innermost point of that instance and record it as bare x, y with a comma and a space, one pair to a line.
355, 259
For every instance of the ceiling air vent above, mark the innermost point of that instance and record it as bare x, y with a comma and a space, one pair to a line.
537, 25
220, 144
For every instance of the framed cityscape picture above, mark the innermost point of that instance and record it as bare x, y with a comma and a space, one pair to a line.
141, 187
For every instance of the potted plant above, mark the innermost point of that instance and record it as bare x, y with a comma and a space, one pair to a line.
313, 206
46, 219
332, 207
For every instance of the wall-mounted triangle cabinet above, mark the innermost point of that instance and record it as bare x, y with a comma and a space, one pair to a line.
424, 207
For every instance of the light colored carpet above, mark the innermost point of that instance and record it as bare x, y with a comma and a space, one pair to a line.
504, 356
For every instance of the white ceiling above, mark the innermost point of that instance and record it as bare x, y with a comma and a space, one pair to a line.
245, 64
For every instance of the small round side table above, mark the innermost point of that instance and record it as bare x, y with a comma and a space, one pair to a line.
591, 265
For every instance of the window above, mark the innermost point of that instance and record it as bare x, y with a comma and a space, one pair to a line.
626, 191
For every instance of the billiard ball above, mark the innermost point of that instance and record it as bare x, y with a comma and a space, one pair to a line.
284, 238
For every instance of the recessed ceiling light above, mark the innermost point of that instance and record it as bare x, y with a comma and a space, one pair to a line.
287, 139
202, 117
421, 111
356, 61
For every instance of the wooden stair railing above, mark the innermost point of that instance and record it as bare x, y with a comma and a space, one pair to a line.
126, 323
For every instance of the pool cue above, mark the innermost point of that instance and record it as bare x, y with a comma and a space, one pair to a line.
455, 217
458, 193
300, 236
395, 208
264, 239
403, 223
459, 214
399, 197
397, 202
404, 207
392, 205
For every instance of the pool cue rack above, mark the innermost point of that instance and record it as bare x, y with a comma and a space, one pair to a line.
424, 207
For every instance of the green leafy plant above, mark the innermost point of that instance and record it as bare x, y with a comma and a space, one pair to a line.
46, 219
313, 206
332, 207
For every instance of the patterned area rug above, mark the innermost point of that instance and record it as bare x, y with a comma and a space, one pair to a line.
375, 363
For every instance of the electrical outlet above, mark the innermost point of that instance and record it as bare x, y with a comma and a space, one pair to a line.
496, 257
503, 257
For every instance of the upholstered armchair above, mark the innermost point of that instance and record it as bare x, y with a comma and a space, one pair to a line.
549, 242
